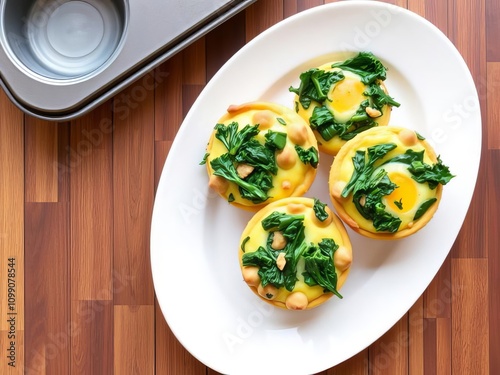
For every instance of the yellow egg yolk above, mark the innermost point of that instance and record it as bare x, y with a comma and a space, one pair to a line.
347, 95
404, 195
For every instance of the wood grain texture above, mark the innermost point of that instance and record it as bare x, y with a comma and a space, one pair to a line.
11, 237
470, 321
133, 181
76, 201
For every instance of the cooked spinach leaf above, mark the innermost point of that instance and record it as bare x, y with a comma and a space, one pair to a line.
379, 97
432, 174
244, 242
205, 157
399, 203
265, 259
279, 221
363, 169
315, 84
366, 65
232, 138
422, 172
253, 153
323, 121
223, 166
319, 210
368, 187
423, 208
310, 155
319, 267
275, 140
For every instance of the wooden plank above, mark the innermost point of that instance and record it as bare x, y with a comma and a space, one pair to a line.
168, 98
493, 114
437, 13
223, 42
438, 296
416, 338
133, 195
418, 6
492, 207
470, 316
92, 337
48, 329
443, 346
430, 342
41, 139
463, 16
11, 238
307, 4
492, 30
262, 15
134, 351
193, 62
91, 205
356, 365
389, 354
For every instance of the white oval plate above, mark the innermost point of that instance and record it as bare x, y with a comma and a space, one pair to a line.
195, 234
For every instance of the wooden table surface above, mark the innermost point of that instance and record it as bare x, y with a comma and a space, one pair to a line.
76, 202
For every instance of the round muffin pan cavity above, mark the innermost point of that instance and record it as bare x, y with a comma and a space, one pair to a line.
63, 39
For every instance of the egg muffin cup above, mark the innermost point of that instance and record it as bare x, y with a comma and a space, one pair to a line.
342, 99
387, 182
260, 152
295, 253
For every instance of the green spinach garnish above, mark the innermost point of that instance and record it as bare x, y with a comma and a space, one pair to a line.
423, 208
309, 156
369, 183
323, 121
223, 166
319, 268
232, 138
319, 210
422, 172
315, 84
365, 65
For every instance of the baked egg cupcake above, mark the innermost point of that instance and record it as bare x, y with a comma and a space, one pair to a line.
342, 99
387, 182
295, 253
260, 152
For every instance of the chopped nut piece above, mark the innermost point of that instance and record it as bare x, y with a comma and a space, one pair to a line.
296, 301
281, 261
372, 112
244, 170
286, 158
251, 275
297, 132
279, 242
362, 200
342, 258
219, 184
408, 137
